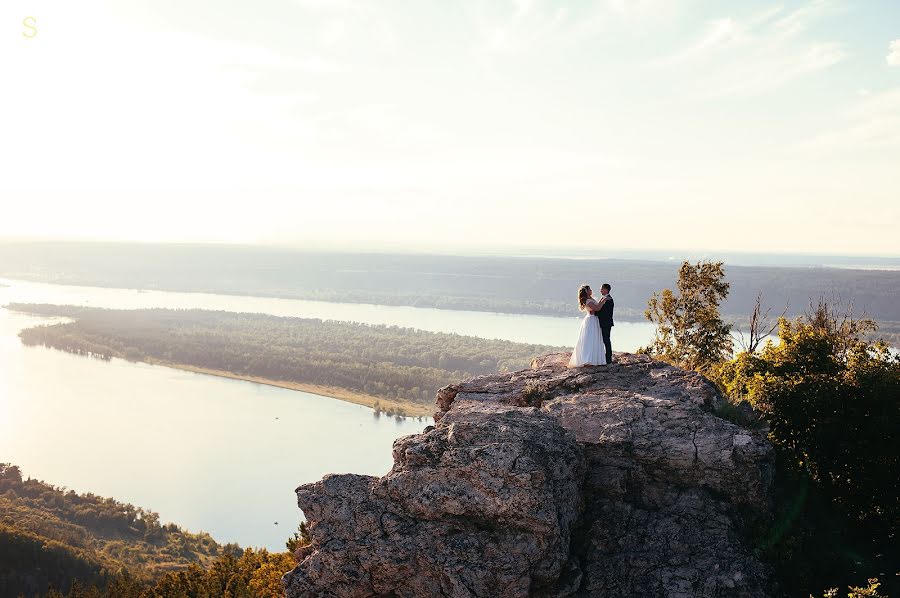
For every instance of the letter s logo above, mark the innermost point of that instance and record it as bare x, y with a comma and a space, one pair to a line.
29, 23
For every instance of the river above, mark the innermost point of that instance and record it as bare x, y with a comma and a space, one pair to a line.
205, 452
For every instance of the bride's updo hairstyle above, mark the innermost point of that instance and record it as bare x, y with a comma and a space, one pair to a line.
583, 296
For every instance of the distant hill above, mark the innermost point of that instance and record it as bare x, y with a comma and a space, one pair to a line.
528, 285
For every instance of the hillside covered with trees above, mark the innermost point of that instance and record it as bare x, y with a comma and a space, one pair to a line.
384, 363
49, 536
55, 542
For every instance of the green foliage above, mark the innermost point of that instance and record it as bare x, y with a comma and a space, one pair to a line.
831, 400
86, 546
740, 413
870, 591
811, 544
689, 329
49, 536
30, 562
535, 393
383, 361
299, 539
253, 574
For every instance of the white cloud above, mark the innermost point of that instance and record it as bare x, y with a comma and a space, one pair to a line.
644, 9
754, 54
799, 21
770, 70
719, 33
893, 57
519, 26
515, 27
871, 122
325, 5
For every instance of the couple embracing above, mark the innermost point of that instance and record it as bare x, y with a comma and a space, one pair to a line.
593, 346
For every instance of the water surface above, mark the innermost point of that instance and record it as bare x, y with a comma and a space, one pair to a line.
209, 453
205, 452
547, 330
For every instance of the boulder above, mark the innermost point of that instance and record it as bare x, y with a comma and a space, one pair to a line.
614, 480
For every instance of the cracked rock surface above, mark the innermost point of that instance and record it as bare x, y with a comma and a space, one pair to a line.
600, 481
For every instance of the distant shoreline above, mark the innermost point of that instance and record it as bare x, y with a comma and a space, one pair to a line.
563, 310
329, 392
889, 328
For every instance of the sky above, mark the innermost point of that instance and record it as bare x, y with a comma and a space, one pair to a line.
633, 124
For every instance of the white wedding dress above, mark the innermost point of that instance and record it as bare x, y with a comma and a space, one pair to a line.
589, 348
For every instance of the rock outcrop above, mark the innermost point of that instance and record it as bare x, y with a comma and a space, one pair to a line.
610, 481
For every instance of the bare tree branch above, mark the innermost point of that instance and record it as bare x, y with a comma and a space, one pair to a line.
761, 326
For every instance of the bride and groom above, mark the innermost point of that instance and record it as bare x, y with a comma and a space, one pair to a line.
593, 346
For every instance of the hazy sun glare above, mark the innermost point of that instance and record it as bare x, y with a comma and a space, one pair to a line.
651, 124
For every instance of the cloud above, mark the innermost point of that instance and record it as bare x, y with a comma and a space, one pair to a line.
719, 33
799, 21
753, 54
768, 71
643, 9
325, 5
871, 122
893, 57
517, 26
226, 53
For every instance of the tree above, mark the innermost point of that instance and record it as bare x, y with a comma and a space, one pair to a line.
300, 538
832, 401
870, 591
689, 329
761, 326
265, 581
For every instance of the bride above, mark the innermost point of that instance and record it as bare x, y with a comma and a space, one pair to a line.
589, 349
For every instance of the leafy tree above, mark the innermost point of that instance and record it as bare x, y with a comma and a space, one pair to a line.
831, 399
299, 539
689, 329
265, 580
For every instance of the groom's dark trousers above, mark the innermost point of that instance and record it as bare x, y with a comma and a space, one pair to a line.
605, 315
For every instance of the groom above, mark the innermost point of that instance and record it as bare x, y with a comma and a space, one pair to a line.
605, 315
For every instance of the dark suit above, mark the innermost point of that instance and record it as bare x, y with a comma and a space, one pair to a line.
605, 315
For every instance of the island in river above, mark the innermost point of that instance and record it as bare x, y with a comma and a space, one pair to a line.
394, 370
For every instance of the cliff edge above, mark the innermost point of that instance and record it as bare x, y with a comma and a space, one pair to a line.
610, 481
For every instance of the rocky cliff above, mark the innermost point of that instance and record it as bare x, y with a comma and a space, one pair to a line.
610, 481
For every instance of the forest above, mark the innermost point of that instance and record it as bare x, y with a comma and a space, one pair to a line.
387, 362
55, 542
51, 535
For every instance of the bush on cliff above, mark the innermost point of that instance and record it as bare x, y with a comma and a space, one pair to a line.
831, 399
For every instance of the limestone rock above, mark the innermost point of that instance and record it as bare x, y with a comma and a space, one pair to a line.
481, 505
614, 480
